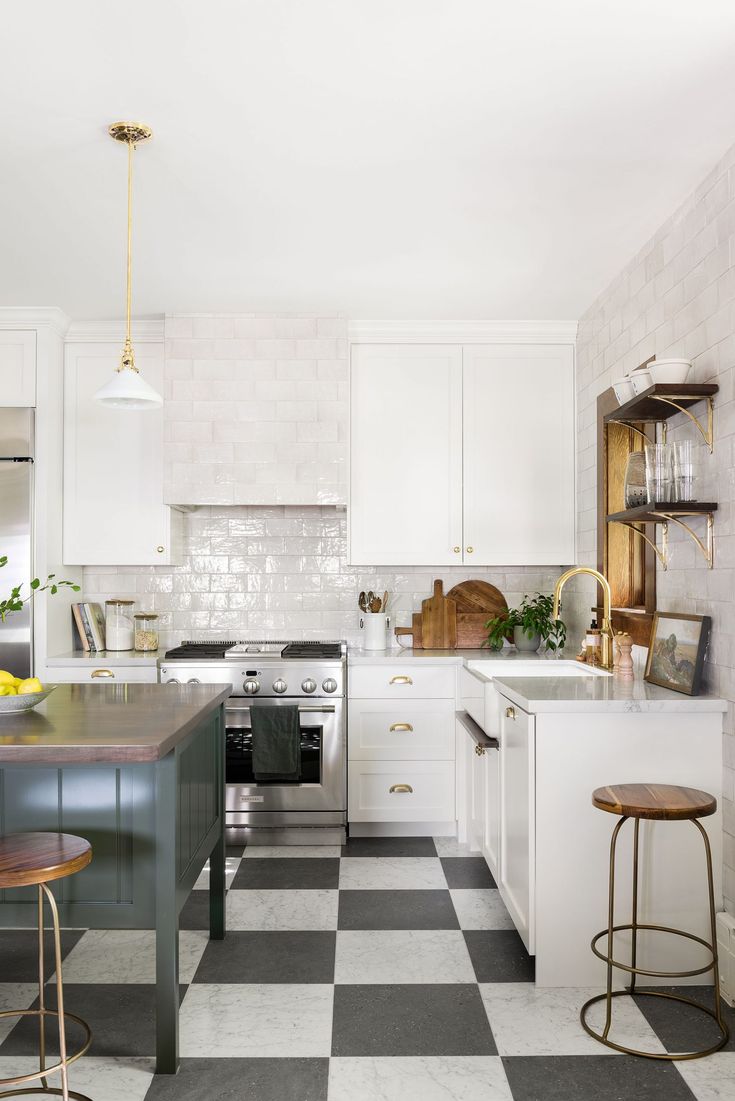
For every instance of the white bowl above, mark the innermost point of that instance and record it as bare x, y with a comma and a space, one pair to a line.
624, 391
12, 705
670, 370
641, 379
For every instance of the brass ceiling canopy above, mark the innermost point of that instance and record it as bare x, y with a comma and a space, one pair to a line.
130, 132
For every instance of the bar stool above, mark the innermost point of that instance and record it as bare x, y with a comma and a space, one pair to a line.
662, 802
34, 859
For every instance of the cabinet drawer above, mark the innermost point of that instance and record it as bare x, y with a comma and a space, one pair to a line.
83, 673
384, 730
403, 682
400, 791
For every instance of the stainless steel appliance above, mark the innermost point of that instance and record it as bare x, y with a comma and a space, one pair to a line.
310, 675
16, 531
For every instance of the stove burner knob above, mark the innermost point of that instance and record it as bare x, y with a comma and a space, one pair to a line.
250, 687
173, 680
279, 686
308, 685
193, 680
329, 685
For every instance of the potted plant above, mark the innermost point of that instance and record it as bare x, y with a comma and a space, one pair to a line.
528, 625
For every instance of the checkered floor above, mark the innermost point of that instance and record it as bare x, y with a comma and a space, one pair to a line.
388, 971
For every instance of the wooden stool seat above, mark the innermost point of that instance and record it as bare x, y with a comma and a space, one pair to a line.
27, 859
663, 802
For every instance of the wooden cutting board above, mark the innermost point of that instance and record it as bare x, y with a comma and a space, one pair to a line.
477, 601
438, 620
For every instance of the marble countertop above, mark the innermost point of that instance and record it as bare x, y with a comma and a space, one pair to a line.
108, 657
603, 694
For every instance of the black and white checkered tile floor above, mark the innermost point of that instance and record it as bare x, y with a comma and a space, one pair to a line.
389, 971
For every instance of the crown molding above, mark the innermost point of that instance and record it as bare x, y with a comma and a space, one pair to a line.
463, 332
34, 317
99, 332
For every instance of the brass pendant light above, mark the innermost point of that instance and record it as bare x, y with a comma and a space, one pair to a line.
128, 389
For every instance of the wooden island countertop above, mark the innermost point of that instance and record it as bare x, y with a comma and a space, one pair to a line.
112, 723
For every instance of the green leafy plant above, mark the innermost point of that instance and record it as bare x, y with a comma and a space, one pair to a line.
535, 617
15, 602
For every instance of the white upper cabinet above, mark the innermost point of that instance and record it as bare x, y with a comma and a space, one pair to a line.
406, 455
518, 419
17, 368
462, 454
113, 466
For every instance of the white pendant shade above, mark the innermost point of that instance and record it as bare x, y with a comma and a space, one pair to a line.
128, 390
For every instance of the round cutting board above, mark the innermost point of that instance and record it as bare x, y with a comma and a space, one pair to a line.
478, 596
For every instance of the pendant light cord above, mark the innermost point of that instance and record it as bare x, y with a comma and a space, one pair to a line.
128, 358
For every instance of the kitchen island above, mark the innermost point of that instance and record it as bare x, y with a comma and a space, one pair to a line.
138, 770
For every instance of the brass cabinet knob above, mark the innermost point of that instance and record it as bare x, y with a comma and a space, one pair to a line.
400, 680
480, 750
457, 550
401, 726
103, 673
160, 549
470, 550
510, 712
400, 789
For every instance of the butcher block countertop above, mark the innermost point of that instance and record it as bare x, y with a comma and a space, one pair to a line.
93, 723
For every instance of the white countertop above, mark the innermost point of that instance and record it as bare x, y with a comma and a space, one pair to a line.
601, 694
120, 658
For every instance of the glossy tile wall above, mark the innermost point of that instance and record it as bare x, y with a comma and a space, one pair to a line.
262, 571
676, 297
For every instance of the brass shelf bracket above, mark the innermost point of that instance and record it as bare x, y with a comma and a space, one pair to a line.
632, 428
707, 550
706, 433
661, 554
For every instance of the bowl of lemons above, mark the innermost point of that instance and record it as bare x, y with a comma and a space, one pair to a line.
17, 694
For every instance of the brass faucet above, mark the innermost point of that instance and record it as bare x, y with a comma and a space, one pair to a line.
606, 632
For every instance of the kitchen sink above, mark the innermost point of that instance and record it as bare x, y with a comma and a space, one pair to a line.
540, 667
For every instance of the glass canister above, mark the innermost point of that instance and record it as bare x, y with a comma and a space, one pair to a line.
146, 631
119, 630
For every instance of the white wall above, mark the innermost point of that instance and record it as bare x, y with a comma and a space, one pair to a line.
677, 297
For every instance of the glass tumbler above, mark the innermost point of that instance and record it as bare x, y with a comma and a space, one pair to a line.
684, 471
659, 473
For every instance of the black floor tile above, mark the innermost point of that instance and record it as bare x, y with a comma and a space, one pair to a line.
195, 911
467, 872
411, 1019
598, 1077
19, 952
499, 955
396, 910
389, 846
121, 1016
236, 1079
269, 957
681, 1027
287, 873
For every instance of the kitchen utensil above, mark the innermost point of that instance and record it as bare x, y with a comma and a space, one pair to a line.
671, 371
635, 492
624, 391
659, 472
641, 379
439, 620
362, 602
11, 705
477, 601
375, 605
385, 601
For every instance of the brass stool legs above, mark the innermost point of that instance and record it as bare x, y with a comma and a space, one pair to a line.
21, 1081
633, 970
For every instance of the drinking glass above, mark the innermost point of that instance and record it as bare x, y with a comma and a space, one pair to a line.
659, 473
684, 470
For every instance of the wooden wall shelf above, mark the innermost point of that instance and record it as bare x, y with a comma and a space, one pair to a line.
659, 403
666, 512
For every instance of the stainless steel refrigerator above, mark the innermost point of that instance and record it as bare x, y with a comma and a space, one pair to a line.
16, 535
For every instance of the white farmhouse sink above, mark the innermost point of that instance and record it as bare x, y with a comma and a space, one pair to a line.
540, 667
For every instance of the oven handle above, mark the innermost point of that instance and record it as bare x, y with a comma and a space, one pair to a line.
326, 710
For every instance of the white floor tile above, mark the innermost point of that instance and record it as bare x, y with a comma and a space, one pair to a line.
105, 1079
400, 956
710, 1079
391, 873
530, 1021
418, 1078
232, 863
282, 909
481, 908
222, 1020
450, 846
15, 995
253, 852
129, 956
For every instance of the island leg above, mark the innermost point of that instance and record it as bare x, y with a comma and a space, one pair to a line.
217, 857
167, 919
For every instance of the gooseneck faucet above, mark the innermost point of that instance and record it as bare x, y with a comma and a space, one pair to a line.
606, 632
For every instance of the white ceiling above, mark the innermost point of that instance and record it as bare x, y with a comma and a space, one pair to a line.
382, 158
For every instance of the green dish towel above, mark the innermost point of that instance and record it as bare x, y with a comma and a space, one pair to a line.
276, 743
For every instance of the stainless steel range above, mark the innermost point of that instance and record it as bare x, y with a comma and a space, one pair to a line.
309, 675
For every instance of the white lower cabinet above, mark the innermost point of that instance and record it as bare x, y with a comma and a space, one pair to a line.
102, 672
401, 744
516, 826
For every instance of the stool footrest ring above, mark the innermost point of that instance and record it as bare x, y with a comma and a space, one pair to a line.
671, 1056
656, 929
21, 1080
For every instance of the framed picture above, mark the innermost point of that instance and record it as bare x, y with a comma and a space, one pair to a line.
676, 651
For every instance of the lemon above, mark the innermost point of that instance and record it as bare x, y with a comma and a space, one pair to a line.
8, 690
32, 684
6, 677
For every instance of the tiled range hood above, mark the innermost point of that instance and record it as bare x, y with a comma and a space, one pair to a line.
256, 410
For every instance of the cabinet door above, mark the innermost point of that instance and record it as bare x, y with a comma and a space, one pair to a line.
519, 505
113, 466
17, 368
406, 455
478, 798
491, 833
517, 818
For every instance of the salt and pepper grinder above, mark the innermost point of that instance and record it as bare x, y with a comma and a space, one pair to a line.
624, 666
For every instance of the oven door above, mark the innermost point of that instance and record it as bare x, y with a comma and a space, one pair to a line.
322, 783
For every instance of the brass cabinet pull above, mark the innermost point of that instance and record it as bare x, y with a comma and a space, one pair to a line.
400, 789
470, 550
401, 726
103, 673
480, 750
400, 680
510, 712
160, 549
457, 550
